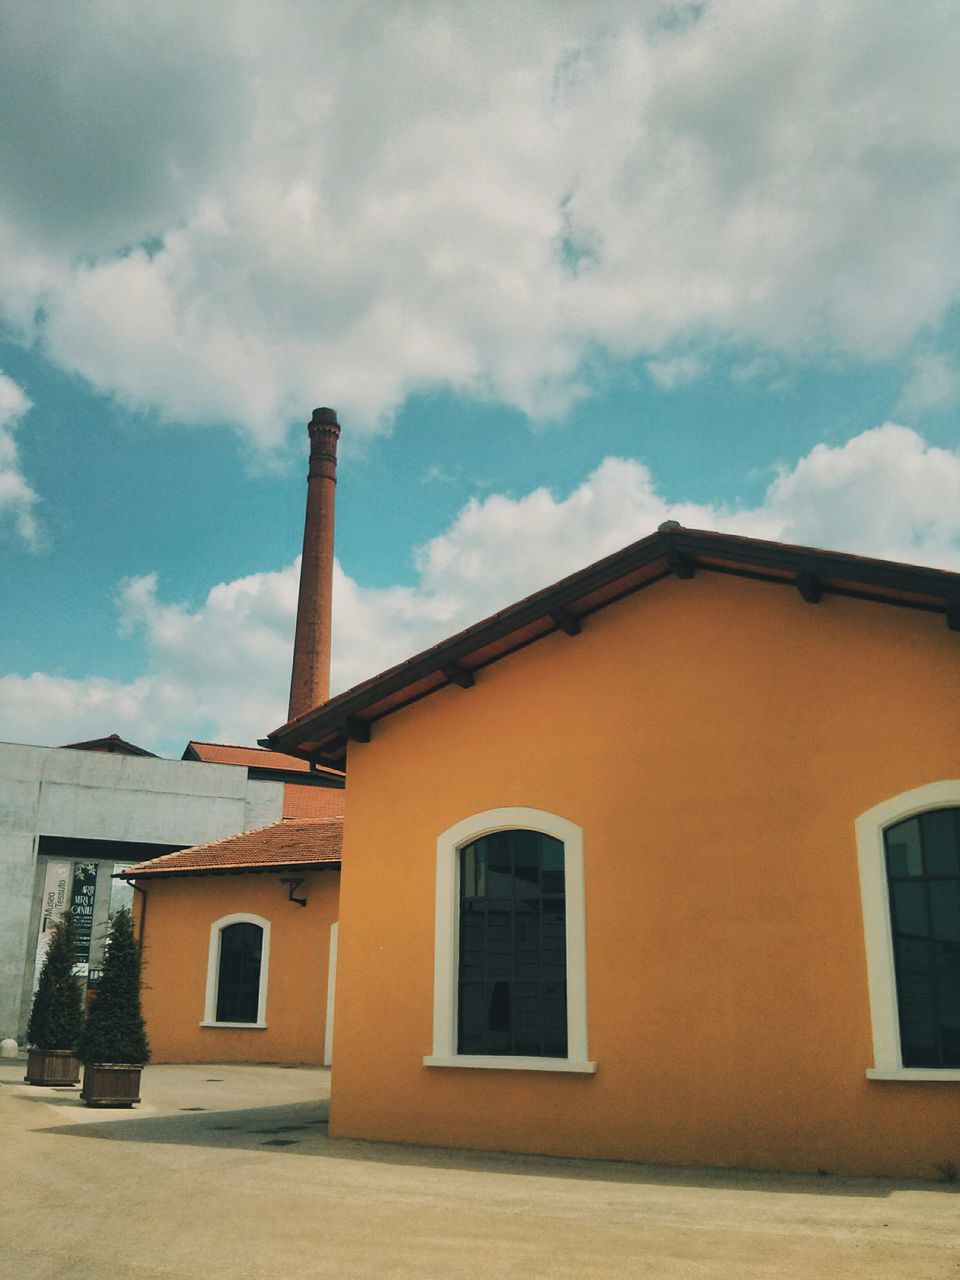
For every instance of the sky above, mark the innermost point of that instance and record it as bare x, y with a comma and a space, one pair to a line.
565, 270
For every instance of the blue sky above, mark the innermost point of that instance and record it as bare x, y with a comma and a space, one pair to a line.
635, 261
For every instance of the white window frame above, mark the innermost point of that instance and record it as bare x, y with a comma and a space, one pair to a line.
213, 972
331, 993
878, 931
447, 942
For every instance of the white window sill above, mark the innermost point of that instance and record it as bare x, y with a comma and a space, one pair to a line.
498, 1062
943, 1074
240, 1026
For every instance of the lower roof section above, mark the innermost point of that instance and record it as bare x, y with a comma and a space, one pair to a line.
293, 843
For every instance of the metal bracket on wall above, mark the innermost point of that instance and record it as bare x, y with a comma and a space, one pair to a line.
294, 882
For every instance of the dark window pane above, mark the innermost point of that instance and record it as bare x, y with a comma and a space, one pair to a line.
552, 853
945, 909
915, 997
925, 915
512, 969
498, 1017
909, 903
527, 1018
941, 856
472, 942
526, 859
238, 988
903, 849
555, 1020
472, 1017
469, 872
948, 992
498, 852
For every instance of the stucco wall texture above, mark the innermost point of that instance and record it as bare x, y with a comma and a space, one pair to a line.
176, 940
716, 740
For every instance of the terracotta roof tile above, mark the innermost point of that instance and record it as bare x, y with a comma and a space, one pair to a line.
312, 802
294, 842
252, 757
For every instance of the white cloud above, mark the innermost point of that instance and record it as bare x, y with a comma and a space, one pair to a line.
884, 493
230, 212
675, 371
222, 670
17, 498
934, 383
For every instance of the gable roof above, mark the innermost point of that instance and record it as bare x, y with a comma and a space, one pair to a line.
252, 758
323, 734
287, 845
113, 744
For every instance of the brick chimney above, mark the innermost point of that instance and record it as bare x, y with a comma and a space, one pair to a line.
310, 678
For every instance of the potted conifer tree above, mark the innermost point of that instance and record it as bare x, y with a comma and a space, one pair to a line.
56, 1017
113, 1045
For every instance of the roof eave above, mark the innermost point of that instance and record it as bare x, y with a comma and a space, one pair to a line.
323, 734
250, 869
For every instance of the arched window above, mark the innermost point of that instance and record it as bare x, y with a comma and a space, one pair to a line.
909, 852
510, 968
238, 976
512, 979
237, 972
923, 877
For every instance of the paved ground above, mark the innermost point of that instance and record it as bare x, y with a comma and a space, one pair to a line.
205, 1181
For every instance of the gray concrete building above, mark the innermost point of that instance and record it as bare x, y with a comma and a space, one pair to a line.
69, 817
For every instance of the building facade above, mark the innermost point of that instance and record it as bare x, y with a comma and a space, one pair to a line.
661, 864
239, 941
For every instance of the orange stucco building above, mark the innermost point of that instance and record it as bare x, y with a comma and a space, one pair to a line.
733, 756
239, 945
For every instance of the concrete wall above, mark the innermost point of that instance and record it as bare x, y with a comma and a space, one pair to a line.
53, 791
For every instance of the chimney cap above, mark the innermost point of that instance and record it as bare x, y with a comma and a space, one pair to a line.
324, 417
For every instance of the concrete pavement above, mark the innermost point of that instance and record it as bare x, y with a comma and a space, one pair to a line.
227, 1171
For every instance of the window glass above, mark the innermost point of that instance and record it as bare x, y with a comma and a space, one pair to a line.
923, 874
903, 849
941, 853
945, 912
512, 983
238, 985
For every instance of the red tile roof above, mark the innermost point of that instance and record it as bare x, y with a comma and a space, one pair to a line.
294, 842
251, 757
323, 734
312, 802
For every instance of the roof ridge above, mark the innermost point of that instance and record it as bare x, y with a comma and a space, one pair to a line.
294, 817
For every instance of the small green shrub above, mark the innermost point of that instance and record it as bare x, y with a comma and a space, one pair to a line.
115, 1030
948, 1171
56, 1017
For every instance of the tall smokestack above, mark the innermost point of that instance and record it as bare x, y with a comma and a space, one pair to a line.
310, 678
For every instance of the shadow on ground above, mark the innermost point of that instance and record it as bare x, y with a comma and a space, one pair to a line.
301, 1129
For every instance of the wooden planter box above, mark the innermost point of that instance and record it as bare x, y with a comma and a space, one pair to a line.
110, 1084
52, 1067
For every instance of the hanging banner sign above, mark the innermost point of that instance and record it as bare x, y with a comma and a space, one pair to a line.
81, 900
55, 885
